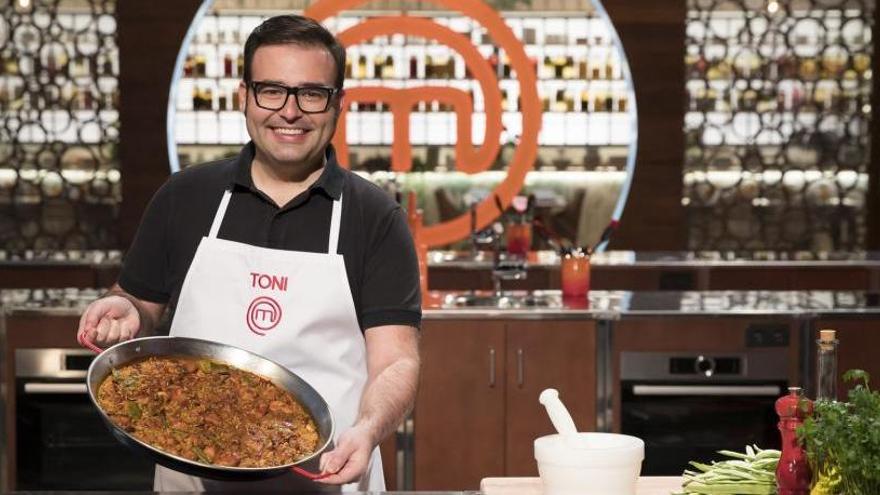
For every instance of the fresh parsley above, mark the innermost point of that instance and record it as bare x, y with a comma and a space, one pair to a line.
843, 438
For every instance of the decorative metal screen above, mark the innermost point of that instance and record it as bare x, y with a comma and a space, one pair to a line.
59, 170
777, 124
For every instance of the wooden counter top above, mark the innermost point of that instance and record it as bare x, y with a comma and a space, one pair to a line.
647, 485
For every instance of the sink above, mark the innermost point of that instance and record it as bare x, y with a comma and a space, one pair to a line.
503, 301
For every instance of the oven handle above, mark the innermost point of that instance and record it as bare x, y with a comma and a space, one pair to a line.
55, 388
707, 390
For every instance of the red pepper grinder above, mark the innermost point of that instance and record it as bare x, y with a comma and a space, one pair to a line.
793, 473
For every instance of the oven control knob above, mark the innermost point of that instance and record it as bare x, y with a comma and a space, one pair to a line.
704, 365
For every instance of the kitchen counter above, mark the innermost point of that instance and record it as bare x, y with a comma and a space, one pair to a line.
154, 493
650, 485
624, 270
647, 485
483, 259
614, 305
54, 258
611, 305
670, 259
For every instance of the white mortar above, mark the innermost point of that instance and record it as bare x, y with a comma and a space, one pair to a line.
589, 464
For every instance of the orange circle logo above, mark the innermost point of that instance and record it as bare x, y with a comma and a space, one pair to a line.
401, 102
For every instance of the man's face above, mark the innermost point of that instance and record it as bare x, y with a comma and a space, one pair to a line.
289, 137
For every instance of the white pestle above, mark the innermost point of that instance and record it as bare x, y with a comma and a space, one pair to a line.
561, 418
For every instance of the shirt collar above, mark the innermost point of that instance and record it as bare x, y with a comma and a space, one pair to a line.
330, 181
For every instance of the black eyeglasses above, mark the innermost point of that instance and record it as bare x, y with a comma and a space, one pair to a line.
309, 99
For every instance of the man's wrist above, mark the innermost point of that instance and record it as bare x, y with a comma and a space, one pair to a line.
144, 323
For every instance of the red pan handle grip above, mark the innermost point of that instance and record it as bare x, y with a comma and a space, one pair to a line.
83, 341
308, 474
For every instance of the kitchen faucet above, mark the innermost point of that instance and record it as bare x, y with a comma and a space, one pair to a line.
505, 266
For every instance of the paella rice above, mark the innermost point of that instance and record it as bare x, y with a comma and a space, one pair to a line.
208, 412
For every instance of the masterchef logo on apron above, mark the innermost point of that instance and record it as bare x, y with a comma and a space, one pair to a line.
264, 313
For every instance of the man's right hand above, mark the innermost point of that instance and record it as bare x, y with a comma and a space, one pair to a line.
110, 320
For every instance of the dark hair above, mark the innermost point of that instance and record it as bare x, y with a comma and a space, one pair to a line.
297, 30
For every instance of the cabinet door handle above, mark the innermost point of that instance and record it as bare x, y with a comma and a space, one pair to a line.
491, 367
520, 368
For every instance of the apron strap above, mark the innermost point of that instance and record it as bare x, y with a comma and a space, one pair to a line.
335, 219
221, 211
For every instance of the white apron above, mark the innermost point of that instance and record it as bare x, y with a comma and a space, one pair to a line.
292, 307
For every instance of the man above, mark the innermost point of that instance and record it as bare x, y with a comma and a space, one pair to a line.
301, 261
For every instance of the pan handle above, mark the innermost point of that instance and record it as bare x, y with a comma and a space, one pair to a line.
83, 341
308, 474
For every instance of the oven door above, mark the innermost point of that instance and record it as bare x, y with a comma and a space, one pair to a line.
680, 422
62, 443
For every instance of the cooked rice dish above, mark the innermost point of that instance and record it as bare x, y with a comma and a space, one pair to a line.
208, 412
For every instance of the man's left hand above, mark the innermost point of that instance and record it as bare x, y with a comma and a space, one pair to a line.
349, 460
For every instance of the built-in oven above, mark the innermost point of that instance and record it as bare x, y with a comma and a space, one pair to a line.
61, 442
687, 406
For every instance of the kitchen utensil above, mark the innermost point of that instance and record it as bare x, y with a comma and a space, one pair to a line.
560, 417
601, 464
572, 463
137, 349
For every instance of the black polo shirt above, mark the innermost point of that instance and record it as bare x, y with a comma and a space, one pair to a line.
374, 239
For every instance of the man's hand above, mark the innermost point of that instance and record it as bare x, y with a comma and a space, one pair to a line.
350, 459
110, 320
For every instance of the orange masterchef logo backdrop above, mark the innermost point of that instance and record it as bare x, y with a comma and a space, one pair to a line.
402, 101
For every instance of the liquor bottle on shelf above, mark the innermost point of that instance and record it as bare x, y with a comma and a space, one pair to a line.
568, 100
568, 70
599, 102
388, 68
378, 62
583, 70
227, 65
360, 70
429, 68
596, 72
239, 65
609, 67
201, 64
203, 99
585, 100
622, 103
413, 67
826, 365
236, 106
188, 67
558, 67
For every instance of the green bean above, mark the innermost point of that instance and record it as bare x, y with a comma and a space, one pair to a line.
749, 473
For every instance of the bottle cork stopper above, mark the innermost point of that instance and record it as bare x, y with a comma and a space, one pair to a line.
827, 335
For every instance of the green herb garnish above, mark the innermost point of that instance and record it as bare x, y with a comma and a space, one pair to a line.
843, 438
134, 410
